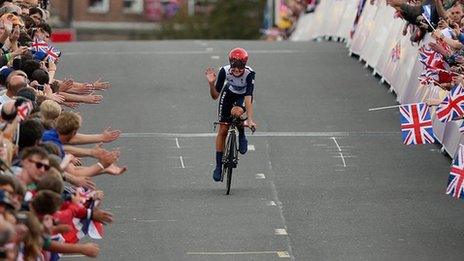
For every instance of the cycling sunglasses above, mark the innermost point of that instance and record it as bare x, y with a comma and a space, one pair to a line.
237, 64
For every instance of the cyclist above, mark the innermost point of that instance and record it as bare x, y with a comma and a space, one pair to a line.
234, 87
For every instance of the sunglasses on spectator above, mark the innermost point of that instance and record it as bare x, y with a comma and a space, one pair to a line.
40, 165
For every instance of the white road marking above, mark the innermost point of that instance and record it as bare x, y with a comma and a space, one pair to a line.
152, 220
260, 176
72, 256
235, 253
340, 151
275, 196
251, 147
283, 254
280, 232
179, 52
209, 49
271, 203
343, 159
257, 134
177, 143
215, 57
182, 162
336, 143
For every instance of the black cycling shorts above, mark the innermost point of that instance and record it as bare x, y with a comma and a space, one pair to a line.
227, 101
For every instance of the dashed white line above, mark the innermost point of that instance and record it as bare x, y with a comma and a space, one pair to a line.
260, 176
271, 203
343, 159
215, 57
275, 196
336, 143
340, 151
251, 147
209, 49
280, 232
177, 143
283, 254
182, 162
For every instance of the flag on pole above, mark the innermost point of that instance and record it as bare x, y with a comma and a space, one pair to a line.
452, 107
416, 124
456, 178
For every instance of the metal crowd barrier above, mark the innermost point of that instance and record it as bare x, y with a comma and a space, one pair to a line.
379, 42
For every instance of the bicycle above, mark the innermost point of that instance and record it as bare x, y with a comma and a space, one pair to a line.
230, 158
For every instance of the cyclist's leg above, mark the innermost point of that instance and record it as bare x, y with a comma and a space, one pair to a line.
225, 105
237, 111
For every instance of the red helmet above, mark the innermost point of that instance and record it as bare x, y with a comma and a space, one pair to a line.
238, 58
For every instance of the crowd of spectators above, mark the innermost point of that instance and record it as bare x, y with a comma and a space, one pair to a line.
48, 200
443, 57
287, 17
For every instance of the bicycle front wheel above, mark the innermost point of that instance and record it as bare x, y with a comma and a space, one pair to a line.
229, 178
231, 159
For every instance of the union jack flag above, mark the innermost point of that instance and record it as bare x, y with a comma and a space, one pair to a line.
39, 45
24, 109
455, 186
428, 77
416, 124
87, 226
452, 107
430, 58
53, 54
396, 53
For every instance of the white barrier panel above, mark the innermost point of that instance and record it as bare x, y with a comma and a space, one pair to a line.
383, 64
320, 16
347, 21
336, 15
302, 30
376, 41
379, 41
365, 26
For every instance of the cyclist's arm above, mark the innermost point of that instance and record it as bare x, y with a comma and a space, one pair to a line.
215, 90
249, 95
249, 107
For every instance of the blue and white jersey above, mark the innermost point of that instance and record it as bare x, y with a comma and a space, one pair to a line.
242, 85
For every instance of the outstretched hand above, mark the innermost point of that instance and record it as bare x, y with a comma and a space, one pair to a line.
210, 75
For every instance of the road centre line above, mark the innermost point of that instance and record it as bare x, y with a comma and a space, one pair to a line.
275, 196
258, 134
177, 143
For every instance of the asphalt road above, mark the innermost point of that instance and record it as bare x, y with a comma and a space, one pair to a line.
327, 180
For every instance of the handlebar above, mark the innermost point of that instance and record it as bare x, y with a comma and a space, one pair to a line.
252, 128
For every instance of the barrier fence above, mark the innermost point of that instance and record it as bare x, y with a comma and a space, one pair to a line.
380, 43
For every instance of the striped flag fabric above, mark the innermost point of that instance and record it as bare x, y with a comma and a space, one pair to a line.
416, 124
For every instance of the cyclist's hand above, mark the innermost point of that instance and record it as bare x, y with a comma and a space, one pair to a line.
210, 75
252, 125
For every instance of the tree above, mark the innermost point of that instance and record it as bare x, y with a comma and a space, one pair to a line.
229, 19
